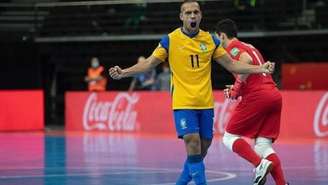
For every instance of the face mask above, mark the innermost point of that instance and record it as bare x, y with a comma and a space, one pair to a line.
94, 64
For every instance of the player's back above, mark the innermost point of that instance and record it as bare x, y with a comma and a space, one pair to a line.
254, 82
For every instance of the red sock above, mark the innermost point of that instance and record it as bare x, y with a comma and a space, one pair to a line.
244, 150
276, 171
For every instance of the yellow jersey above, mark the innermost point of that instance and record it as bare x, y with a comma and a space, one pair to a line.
190, 57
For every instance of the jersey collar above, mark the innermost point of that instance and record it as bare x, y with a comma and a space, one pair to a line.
189, 35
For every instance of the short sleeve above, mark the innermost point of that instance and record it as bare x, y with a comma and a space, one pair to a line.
219, 52
161, 52
216, 40
235, 52
165, 42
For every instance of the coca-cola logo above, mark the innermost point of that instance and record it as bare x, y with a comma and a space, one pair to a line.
222, 114
116, 115
320, 122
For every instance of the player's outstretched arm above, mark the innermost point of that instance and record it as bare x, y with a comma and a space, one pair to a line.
242, 67
117, 73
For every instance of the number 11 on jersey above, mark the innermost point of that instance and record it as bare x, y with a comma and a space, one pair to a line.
194, 60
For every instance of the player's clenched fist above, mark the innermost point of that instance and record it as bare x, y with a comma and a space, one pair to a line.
116, 72
268, 67
227, 91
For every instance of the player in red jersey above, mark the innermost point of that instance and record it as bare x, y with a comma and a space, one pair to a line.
257, 115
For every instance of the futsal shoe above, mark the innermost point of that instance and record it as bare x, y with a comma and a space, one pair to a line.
261, 171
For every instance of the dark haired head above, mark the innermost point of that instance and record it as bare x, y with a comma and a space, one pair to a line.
228, 27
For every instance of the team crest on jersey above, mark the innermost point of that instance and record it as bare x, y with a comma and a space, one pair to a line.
203, 47
234, 52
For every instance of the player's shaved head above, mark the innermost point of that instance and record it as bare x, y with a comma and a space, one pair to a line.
191, 16
228, 27
186, 2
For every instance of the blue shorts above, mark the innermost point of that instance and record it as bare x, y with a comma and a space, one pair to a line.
188, 121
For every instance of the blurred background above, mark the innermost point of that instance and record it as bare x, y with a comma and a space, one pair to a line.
48, 44
54, 86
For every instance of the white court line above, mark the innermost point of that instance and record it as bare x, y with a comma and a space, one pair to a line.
90, 174
226, 175
138, 168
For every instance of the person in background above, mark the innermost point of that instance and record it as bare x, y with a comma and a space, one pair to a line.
143, 81
163, 79
95, 77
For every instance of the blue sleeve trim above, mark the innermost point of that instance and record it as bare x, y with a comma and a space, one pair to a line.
216, 40
165, 42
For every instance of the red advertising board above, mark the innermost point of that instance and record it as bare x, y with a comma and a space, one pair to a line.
305, 114
305, 76
119, 111
21, 110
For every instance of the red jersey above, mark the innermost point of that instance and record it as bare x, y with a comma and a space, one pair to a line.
259, 111
254, 82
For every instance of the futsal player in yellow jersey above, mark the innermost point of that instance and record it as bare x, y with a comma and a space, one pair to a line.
189, 51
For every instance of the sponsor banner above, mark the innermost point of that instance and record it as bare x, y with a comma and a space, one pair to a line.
305, 114
21, 110
320, 120
119, 111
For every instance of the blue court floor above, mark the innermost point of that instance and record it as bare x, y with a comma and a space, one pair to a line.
113, 159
